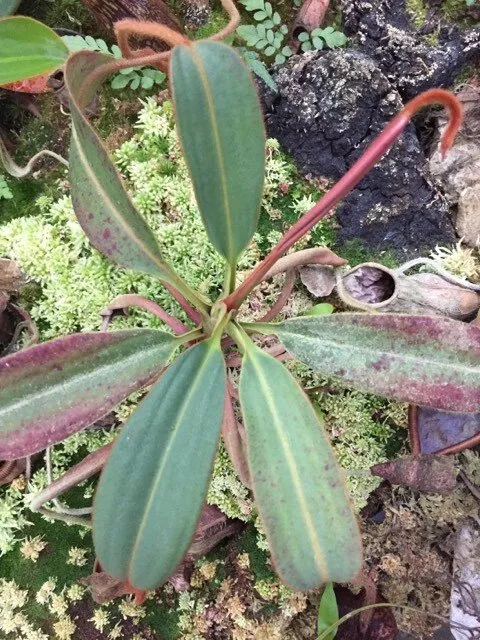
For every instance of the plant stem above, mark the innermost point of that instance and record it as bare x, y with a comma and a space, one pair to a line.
326, 634
282, 298
238, 334
88, 467
229, 281
134, 300
374, 152
64, 517
175, 282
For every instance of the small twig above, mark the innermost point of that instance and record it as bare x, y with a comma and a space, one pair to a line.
61, 508
64, 517
374, 152
474, 490
413, 430
88, 467
414, 435
233, 440
191, 313
282, 299
235, 18
124, 29
322, 388
16, 170
134, 300
29, 324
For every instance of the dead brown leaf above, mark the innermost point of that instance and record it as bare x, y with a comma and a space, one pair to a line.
426, 473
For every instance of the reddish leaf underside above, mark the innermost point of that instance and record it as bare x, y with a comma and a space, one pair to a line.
56, 388
425, 360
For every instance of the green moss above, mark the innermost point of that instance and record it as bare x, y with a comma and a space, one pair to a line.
451, 10
355, 252
53, 561
417, 10
457, 11
24, 191
163, 620
66, 14
217, 21
259, 559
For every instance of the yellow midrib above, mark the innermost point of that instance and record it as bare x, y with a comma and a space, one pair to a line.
116, 213
318, 554
404, 357
218, 147
165, 457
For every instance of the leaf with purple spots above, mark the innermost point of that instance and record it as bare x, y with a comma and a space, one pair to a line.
102, 205
50, 391
298, 486
425, 360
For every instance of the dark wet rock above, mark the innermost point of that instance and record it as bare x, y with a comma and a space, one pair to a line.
383, 30
330, 106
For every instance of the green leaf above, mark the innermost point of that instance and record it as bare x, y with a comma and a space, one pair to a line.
424, 360
100, 200
322, 309
120, 81
268, 24
279, 58
277, 40
335, 39
269, 51
268, 9
116, 51
254, 5
249, 34
221, 131
261, 44
261, 71
56, 388
303, 36
159, 77
260, 15
270, 36
8, 7
286, 51
91, 42
327, 612
284, 29
276, 18
28, 48
142, 528
311, 530
306, 46
135, 82
317, 42
147, 82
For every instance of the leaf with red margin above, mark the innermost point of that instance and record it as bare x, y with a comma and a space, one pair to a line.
100, 200
56, 388
425, 360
